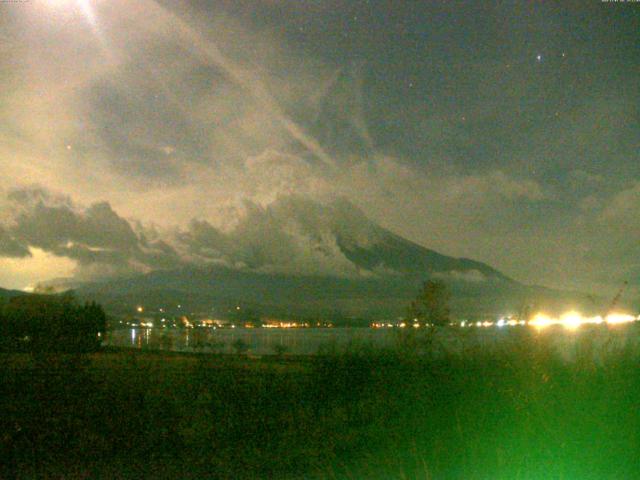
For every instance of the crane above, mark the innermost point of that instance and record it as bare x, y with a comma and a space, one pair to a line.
616, 299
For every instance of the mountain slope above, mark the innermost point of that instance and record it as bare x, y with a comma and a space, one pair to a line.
297, 236
300, 257
218, 290
397, 254
7, 294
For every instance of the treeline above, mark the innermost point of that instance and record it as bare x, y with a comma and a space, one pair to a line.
51, 323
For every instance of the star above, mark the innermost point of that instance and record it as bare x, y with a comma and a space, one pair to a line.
539, 57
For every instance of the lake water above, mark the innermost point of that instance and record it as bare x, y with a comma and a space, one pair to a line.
599, 340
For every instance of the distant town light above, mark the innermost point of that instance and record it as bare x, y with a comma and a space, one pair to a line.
571, 320
541, 321
615, 318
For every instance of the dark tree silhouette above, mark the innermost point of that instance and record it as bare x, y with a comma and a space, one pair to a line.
431, 306
51, 323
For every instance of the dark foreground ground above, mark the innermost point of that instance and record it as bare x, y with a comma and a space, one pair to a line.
517, 414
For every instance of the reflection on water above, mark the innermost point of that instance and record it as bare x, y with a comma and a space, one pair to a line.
257, 341
309, 341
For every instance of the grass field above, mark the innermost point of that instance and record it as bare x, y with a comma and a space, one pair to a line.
518, 413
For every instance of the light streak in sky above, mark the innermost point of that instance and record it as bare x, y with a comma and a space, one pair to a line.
87, 8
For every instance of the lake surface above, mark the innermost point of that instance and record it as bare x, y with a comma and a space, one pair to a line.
597, 340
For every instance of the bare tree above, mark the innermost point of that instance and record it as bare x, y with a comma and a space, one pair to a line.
431, 306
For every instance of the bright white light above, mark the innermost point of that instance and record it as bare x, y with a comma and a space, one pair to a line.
85, 6
572, 320
616, 318
69, 6
541, 321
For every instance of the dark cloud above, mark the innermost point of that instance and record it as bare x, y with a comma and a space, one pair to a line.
294, 235
60, 228
205, 241
10, 247
94, 235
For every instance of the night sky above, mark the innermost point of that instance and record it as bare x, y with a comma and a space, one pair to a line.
506, 132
